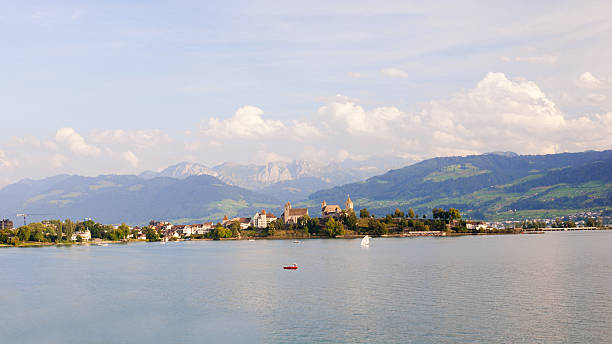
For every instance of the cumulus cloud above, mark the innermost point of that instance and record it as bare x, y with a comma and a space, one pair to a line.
588, 80
499, 113
4, 160
75, 142
246, 123
305, 130
394, 73
131, 158
356, 120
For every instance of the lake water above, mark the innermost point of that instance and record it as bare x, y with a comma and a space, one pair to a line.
550, 288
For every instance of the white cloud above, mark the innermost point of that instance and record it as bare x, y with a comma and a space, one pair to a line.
4, 160
596, 97
75, 142
246, 123
131, 158
354, 74
265, 156
538, 59
354, 119
588, 80
394, 73
140, 139
304, 130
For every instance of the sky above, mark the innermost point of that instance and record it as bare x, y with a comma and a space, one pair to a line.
99, 87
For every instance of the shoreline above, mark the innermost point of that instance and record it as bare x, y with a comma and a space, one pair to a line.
310, 237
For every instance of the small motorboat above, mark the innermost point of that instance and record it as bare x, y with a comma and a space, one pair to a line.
290, 267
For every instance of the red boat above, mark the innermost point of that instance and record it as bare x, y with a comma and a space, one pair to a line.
290, 267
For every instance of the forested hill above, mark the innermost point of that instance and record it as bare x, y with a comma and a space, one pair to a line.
488, 186
130, 199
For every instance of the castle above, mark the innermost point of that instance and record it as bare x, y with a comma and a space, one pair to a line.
334, 210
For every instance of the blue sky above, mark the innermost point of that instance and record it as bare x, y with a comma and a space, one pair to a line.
123, 86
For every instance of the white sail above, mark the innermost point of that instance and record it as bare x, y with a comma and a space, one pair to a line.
365, 241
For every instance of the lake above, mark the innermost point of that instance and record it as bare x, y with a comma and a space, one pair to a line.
549, 288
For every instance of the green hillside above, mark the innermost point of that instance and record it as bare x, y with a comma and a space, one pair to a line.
491, 186
130, 199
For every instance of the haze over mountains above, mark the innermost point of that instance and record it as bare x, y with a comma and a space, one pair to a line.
292, 181
485, 186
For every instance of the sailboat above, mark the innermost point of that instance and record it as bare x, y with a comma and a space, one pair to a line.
365, 242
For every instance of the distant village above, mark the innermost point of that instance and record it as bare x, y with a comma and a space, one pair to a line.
333, 221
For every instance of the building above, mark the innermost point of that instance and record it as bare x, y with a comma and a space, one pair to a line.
262, 219
244, 222
85, 235
291, 215
6, 224
202, 228
334, 210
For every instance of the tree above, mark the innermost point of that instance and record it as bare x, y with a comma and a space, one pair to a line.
364, 213
23, 233
398, 213
350, 220
313, 225
221, 232
235, 228
411, 213
453, 214
68, 228
376, 227
334, 228
388, 219
152, 234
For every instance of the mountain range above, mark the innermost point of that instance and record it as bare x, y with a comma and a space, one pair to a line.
291, 181
489, 186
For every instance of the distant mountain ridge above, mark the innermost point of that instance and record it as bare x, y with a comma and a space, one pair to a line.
488, 186
293, 180
185, 192
131, 199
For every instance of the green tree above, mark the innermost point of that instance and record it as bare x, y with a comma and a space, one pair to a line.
364, 213
68, 228
235, 228
5, 236
334, 228
221, 232
411, 213
23, 233
453, 214
152, 234
591, 222
350, 220
398, 213
313, 225
376, 227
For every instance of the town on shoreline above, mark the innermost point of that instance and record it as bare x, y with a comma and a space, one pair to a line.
293, 223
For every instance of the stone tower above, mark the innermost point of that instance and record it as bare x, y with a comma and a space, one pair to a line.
349, 203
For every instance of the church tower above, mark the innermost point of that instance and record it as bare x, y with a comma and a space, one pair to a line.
349, 203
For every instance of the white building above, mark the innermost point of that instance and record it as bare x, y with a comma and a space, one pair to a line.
85, 235
262, 219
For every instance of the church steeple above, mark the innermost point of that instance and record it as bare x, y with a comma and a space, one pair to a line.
349, 203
